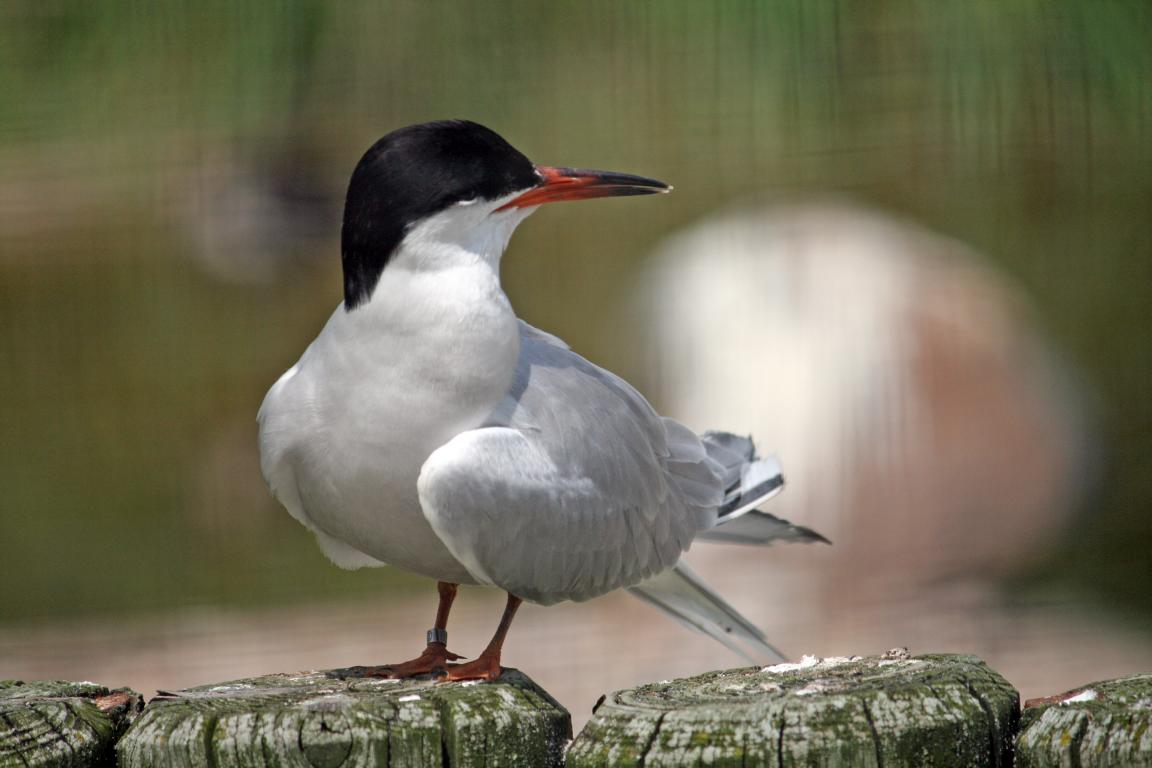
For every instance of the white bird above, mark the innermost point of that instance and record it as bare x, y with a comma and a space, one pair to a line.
428, 428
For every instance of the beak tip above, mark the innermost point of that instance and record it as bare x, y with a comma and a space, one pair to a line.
558, 184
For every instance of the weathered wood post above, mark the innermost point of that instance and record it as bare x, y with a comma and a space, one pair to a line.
321, 719
1102, 724
893, 710
56, 723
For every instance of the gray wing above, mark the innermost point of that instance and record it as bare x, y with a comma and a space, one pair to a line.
574, 488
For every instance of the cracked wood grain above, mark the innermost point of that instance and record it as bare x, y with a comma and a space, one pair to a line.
319, 719
939, 710
59, 723
1102, 724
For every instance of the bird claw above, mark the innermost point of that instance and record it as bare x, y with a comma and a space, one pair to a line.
434, 661
484, 667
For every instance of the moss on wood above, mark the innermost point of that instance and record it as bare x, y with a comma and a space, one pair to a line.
1103, 724
59, 723
319, 719
936, 710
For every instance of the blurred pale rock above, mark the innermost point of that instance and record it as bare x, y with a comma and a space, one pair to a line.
925, 425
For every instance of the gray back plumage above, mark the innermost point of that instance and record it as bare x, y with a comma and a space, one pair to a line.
592, 488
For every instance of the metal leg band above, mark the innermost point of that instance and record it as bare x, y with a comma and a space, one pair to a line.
437, 637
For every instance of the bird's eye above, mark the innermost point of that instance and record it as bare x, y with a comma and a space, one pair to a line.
469, 201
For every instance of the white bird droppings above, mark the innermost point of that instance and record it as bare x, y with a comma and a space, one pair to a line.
808, 662
1086, 695
805, 662
411, 697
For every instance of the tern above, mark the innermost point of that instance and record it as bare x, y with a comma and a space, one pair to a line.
429, 428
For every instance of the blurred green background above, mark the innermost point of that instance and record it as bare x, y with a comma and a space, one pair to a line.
143, 313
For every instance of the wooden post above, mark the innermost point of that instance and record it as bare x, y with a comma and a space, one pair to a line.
1102, 724
321, 719
56, 723
893, 710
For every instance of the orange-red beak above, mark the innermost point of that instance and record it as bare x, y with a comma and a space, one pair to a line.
558, 184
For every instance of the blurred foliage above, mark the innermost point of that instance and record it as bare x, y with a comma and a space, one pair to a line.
131, 375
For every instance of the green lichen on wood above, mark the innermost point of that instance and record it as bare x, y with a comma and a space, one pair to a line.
319, 719
1103, 724
937, 710
59, 723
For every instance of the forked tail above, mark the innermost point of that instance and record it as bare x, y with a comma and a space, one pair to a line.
680, 593
749, 481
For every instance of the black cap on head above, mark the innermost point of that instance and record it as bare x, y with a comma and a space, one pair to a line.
412, 173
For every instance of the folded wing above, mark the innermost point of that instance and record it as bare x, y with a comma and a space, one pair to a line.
576, 486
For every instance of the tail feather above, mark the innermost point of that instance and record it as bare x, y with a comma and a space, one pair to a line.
760, 480
731, 452
760, 528
749, 481
680, 593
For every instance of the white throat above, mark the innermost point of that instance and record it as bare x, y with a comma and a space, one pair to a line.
438, 317
467, 234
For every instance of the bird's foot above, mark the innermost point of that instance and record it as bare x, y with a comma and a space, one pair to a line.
484, 667
434, 661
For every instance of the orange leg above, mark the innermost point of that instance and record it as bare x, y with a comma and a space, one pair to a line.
436, 655
487, 665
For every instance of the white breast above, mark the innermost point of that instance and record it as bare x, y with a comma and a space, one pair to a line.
343, 438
